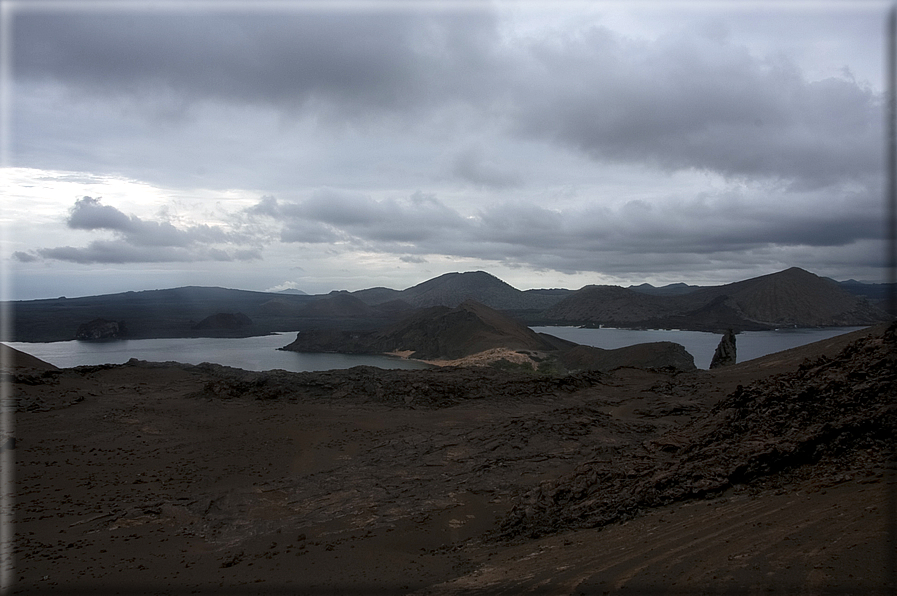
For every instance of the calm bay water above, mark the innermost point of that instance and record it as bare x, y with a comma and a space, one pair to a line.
261, 353
248, 353
701, 345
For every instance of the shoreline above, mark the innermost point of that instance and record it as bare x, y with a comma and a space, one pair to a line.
167, 477
484, 358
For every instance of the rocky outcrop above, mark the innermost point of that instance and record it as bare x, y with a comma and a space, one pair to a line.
224, 320
433, 333
659, 355
830, 411
101, 329
334, 341
442, 333
470, 328
725, 354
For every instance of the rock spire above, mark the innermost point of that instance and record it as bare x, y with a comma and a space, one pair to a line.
725, 351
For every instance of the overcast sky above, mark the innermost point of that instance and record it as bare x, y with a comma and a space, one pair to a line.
345, 146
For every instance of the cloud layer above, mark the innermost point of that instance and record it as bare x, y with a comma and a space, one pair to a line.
492, 135
140, 241
684, 100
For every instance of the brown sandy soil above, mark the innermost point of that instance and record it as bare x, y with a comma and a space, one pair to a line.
483, 358
816, 537
169, 478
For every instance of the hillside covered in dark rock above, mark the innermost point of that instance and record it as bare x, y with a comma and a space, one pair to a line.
336, 304
659, 354
794, 298
838, 410
101, 329
438, 388
440, 333
12, 359
432, 333
224, 320
676, 289
768, 476
790, 298
608, 305
452, 289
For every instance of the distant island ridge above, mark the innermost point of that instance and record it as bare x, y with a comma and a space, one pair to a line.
473, 334
790, 298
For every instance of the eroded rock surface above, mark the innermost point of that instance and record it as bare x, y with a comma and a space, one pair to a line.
101, 329
835, 409
165, 477
725, 353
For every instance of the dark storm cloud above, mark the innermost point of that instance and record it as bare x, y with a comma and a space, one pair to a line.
623, 238
418, 218
24, 257
89, 214
294, 225
726, 221
690, 100
524, 224
141, 241
299, 230
331, 215
115, 252
267, 205
378, 102
121, 252
471, 165
583, 238
353, 61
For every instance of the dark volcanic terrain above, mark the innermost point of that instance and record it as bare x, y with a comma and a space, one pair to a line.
473, 331
770, 476
435, 332
793, 297
790, 298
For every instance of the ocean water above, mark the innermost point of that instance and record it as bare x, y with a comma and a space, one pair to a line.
261, 353
701, 345
249, 353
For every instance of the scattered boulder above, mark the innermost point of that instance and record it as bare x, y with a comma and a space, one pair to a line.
725, 351
224, 320
101, 329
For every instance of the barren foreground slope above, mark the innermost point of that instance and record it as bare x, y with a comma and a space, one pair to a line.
168, 478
